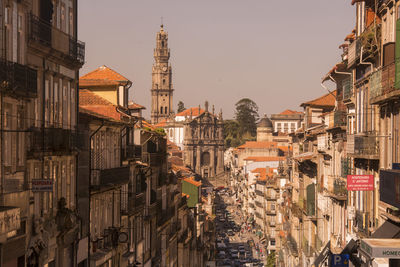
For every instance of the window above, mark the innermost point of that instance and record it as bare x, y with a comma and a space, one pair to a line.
71, 22
163, 81
166, 110
63, 28
161, 109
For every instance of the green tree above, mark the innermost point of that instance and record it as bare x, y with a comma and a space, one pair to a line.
181, 106
231, 133
271, 259
246, 115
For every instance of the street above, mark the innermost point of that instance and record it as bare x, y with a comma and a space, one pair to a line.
236, 243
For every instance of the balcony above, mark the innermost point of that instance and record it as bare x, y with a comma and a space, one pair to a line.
153, 159
354, 52
362, 222
270, 211
17, 79
292, 244
348, 90
363, 146
339, 190
10, 217
339, 118
259, 204
259, 193
52, 140
387, 90
109, 177
389, 183
43, 34
140, 200
131, 152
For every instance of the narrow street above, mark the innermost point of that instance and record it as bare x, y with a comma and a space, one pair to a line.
237, 244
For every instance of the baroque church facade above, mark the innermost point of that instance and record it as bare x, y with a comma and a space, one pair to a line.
203, 143
198, 132
161, 89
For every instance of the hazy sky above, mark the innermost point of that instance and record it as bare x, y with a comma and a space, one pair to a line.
274, 52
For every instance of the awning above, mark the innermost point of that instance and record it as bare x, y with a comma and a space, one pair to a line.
387, 230
351, 249
323, 256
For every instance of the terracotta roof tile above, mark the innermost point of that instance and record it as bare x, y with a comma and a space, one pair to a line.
95, 82
263, 174
135, 106
290, 112
89, 101
161, 124
256, 144
195, 112
104, 73
258, 159
327, 100
285, 148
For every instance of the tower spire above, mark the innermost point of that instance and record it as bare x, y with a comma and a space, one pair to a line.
161, 90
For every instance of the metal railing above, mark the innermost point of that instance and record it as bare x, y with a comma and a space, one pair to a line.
340, 187
340, 118
53, 139
364, 145
17, 78
42, 32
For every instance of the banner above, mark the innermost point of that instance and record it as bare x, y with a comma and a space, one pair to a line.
42, 185
360, 182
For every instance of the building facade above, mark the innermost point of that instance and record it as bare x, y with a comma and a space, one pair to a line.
162, 89
204, 143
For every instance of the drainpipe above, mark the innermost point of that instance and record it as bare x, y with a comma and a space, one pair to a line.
90, 180
365, 63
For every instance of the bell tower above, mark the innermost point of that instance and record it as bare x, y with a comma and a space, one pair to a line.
161, 92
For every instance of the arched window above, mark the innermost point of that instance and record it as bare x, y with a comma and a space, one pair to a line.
160, 110
163, 81
162, 43
166, 110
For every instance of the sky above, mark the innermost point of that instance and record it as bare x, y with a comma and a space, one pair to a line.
273, 52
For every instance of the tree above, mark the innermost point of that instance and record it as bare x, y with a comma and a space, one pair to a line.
246, 115
271, 259
231, 133
181, 106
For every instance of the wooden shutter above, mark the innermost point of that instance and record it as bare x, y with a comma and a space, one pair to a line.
397, 53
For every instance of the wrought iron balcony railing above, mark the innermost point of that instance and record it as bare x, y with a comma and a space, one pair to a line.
363, 145
46, 35
18, 79
53, 139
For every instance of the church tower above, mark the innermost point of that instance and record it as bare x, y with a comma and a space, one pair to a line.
161, 92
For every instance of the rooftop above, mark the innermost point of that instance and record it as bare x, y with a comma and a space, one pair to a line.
260, 159
195, 111
104, 73
327, 100
258, 144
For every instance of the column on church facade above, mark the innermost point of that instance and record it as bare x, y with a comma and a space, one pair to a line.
212, 160
220, 160
198, 157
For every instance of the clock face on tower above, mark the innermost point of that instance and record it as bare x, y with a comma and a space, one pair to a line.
164, 68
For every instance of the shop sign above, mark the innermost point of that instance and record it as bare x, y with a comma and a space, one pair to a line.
360, 182
382, 249
340, 260
9, 220
42, 185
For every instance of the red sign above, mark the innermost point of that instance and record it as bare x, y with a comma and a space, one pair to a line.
360, 182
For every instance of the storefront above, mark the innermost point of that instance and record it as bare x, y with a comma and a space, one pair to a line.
380, 252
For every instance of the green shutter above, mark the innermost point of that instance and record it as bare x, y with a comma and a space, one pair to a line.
397, 55
311, 200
